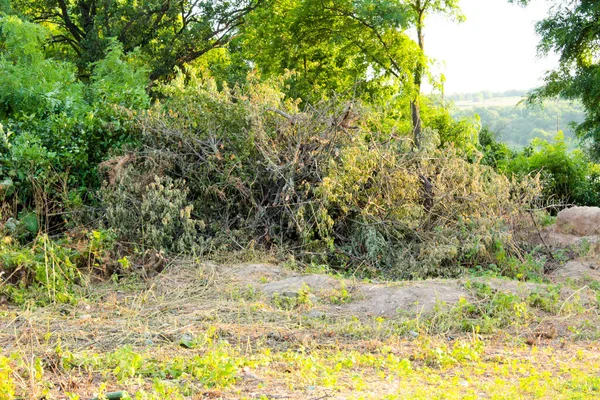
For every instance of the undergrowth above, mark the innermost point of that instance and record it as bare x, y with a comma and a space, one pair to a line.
329, 183
50, 271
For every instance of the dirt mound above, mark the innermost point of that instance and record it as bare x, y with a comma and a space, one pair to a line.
257, 272
578, 271
388, 301
316, 284
331, 296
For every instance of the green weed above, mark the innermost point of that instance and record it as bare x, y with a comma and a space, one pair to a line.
7, 384
340, 296
292, 300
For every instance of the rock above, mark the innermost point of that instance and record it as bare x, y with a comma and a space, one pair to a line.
573, 226
315, 314
579, 221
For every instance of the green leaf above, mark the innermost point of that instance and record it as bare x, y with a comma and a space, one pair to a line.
30, 222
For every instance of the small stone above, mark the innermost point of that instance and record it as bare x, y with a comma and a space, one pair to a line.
315, 314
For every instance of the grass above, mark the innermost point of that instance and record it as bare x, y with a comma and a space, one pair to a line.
198, 331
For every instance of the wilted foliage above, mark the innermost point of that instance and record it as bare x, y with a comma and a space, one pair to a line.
150, 210
325, 183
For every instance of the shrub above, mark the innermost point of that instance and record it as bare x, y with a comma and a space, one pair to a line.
326, 182
496, 154
153, 212
569, 177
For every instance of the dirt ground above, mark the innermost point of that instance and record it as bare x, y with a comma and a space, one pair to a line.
155, 317
261, 331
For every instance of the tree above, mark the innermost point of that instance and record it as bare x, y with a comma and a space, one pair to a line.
572, 30
359, 46
169, 33
5, 7
333, 45
420, 9
58, 123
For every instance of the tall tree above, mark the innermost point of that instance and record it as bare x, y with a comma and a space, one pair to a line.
420, 9
169, 32
333, 45
572, 30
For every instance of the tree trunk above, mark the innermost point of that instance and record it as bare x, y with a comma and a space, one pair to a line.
415, 104
415, 109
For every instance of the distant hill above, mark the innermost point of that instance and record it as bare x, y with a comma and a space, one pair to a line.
514, 122
483, 96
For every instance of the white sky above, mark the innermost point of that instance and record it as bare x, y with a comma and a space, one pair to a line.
495, 49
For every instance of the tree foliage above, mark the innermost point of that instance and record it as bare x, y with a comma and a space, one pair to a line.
169, 33
419, 10
572, 30
333, 46
55, 128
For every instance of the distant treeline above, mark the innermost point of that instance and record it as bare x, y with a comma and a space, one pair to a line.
485, 94
518, 125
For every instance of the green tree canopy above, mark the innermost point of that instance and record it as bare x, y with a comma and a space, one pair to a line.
333, 45
169, 33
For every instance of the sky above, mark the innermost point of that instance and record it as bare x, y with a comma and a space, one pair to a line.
495, 49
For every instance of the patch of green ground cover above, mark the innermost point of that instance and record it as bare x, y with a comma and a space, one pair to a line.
426, 368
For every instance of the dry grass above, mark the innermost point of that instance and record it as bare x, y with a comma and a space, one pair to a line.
198, 314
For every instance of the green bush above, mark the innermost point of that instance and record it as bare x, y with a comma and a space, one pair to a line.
496, 154
569, 177
56, 128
